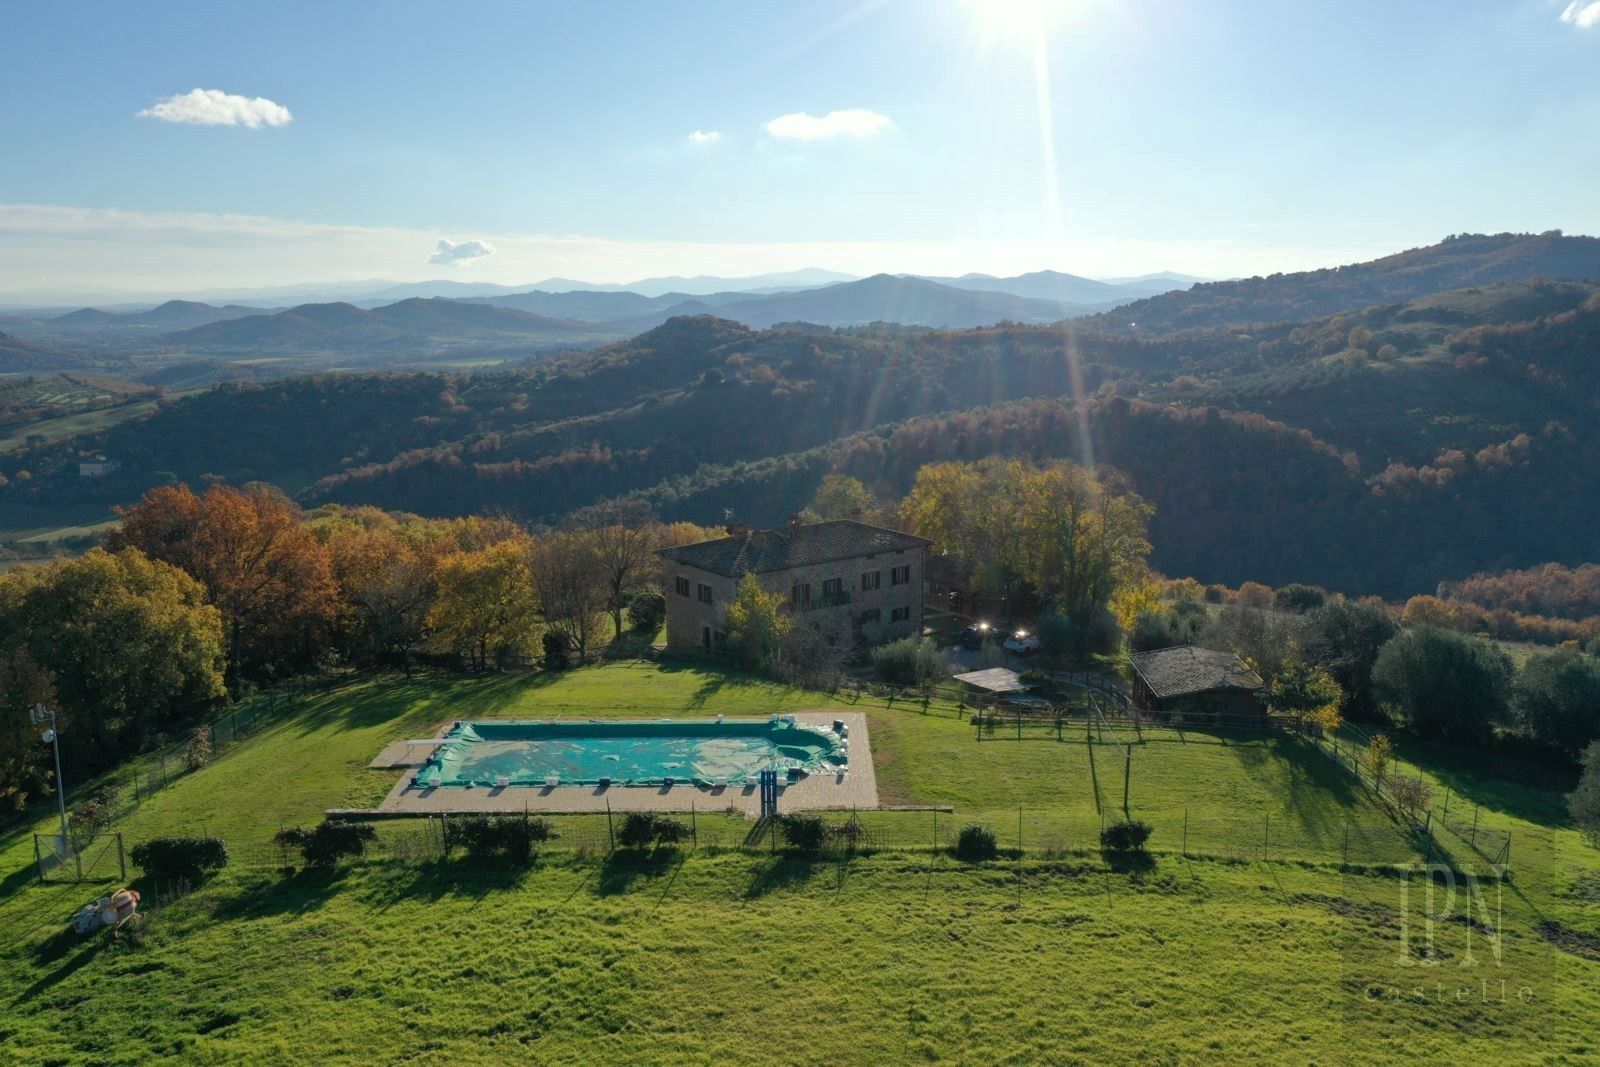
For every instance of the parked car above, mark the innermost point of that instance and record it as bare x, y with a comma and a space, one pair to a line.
1025, 702
976, 635
1023, 643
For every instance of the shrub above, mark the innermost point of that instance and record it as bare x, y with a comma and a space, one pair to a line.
803, 833
976, 842
96, 812
913, 661
648, 611
1584, 801
323, 845
197, 753
1299, 598
644, 829
186, 858
557, 651
1412, 794
1127, 836
512, 837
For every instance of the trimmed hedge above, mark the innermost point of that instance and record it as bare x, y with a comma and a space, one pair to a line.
803, 833
188, 858
643, 829
976, 842
1128, 836
511, 837
325, 844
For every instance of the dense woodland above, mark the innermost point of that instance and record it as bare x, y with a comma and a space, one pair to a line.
1373, 448
199, 597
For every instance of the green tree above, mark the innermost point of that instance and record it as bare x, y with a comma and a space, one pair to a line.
1556, 698
485, 606
839, 495
1444, 684
25, 764
757, 624
129, 645
1345, 637
1584, 801
1306, 693
573, 584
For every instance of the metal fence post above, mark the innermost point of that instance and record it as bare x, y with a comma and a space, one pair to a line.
1266, 838
122, 858
611, 832
1186, 832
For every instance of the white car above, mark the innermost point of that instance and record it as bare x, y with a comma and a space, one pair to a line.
1023, 643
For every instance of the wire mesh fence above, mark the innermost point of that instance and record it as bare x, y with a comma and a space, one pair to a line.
97, 857
1457, 836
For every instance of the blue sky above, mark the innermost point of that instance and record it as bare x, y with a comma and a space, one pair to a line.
1217, 138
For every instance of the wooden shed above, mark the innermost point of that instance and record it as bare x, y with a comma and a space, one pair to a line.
1196, 683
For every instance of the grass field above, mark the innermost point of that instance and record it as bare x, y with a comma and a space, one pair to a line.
1059, 955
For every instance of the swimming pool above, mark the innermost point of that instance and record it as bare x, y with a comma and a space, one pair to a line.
704, 751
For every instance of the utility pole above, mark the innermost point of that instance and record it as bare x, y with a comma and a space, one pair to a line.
41, 715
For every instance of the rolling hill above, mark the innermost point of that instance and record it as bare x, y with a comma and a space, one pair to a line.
18, 356
1064, 288
1455, 263
417, 321
885, 298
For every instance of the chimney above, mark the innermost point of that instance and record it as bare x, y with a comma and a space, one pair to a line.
737, 529
794, 525
855, 514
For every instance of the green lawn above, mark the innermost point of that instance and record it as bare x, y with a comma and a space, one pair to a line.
903, 955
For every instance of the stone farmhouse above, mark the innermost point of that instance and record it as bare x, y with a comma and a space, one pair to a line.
845, 579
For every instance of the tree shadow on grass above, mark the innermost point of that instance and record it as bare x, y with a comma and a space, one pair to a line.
376, 699
460, 878
1522, 789
1128, 862
783, 871
621, 869
55, 948
299, 893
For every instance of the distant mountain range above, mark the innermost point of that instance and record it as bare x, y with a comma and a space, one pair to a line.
341, 326
499, 322
373, 293
1063, 288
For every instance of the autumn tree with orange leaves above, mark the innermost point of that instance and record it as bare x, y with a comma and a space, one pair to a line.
265, 571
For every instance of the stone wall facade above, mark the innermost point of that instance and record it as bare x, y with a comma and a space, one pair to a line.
692, 623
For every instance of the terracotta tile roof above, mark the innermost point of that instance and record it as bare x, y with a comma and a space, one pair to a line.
1180, 671
762, 551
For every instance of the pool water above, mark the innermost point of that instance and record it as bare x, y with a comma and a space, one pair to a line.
701, 751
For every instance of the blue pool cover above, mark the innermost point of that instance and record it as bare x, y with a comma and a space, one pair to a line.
690, 750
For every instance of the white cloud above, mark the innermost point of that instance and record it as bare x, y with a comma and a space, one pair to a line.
455, 253
213, 107
854, 122
705, 136
1582, 14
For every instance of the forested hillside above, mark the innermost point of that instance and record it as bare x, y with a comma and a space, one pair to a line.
1381, 449
1457, 263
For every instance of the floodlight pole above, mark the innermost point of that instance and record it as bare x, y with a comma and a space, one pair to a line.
41, 715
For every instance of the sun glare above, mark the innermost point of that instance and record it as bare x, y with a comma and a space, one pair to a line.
1019, 21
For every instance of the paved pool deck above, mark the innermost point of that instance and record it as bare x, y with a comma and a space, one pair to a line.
857, 789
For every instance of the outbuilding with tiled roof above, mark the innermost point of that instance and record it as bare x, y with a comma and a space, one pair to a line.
1196, 682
